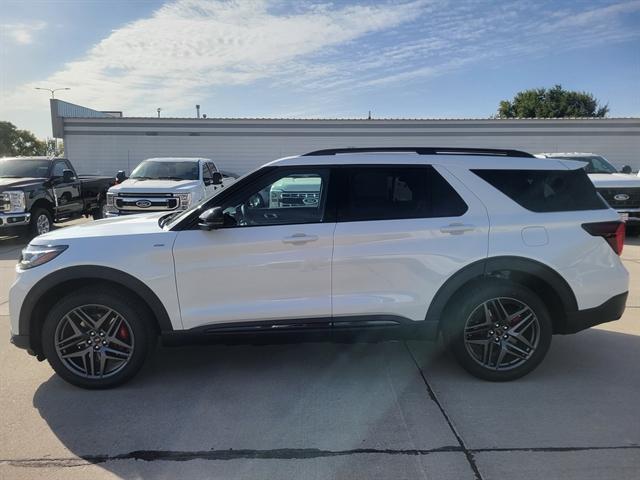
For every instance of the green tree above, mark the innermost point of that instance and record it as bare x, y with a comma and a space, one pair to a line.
551, 103
15, 142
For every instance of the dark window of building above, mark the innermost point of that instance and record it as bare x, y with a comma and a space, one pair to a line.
546, 190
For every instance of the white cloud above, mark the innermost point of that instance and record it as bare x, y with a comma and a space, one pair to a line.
189, 46
21, 33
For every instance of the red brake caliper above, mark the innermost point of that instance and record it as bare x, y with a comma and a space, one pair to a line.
123, 332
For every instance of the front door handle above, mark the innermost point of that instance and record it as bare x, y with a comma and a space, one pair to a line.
457, 228
299, 238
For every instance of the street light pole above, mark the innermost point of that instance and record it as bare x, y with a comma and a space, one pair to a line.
52, 90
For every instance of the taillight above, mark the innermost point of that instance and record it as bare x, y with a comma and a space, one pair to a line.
612, 232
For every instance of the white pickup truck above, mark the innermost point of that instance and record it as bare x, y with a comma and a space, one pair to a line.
166, 184
619, 189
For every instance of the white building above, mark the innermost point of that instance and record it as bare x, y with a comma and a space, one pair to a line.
105, 142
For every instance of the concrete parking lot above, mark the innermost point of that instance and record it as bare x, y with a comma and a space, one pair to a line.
389, 410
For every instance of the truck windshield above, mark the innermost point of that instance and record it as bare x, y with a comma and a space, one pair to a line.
596, 164
163, 170
24, 168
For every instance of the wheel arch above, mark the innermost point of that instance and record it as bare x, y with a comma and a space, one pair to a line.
43, 203
51, 288
548, 284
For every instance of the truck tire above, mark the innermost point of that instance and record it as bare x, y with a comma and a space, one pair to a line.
41, 222
97, 337
99, 212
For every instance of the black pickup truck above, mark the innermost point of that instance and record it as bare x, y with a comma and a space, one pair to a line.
37, 191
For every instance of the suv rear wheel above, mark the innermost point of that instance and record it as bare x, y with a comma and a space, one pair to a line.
499, 331
97, 337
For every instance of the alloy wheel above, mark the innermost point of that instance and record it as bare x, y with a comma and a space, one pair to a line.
502, 333
43, 225
94, 341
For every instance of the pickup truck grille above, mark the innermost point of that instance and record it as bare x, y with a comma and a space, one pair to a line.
146, 202
5, 205
632, 200
302, 199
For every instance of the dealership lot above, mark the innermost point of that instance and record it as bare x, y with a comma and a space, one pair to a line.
389, 410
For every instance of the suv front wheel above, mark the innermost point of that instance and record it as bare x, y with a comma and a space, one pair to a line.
499, 330
97, 337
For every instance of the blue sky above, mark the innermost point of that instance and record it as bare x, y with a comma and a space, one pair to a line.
320, 59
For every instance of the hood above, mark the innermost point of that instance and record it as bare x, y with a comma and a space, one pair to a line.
8, 183
155, 186
614, 180
145, 223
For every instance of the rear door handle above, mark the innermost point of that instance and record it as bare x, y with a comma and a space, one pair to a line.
457, 228
300, 238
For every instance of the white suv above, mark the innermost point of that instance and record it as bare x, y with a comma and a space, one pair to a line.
494, 249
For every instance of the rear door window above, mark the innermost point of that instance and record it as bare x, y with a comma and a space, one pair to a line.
397, 192
546, 190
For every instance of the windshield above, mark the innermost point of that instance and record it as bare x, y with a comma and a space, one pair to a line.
596, 164
24, 168
163, 170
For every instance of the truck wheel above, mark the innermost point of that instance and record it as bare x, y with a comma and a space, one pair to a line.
41, 221
498, 330
100, 211
97, 337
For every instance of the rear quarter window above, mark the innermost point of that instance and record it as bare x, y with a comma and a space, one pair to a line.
546, 190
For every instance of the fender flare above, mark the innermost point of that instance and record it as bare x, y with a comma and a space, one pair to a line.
91, 272
486, 267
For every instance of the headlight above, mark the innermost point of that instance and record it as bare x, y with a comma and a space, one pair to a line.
111, 202
185, 200
15, 200
35, 255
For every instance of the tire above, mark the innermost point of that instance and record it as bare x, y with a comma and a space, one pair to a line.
41, 222
123, 339
99, 213
472, 335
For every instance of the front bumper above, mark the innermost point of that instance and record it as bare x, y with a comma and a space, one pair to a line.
609, 311
138, 212
631, 216
9, 220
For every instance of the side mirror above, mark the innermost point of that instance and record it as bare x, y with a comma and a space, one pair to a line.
68, 176
626, 169
211, 219
217, 178
120, 176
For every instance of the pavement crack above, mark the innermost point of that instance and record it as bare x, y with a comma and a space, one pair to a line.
468, 453
229, 454
273, 454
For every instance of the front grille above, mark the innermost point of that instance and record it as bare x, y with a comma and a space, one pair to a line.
5, 205
146, 203
609, 194
302, 199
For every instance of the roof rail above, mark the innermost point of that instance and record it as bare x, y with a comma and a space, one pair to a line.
424, 151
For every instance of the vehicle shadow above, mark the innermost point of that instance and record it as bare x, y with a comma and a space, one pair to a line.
337, 397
